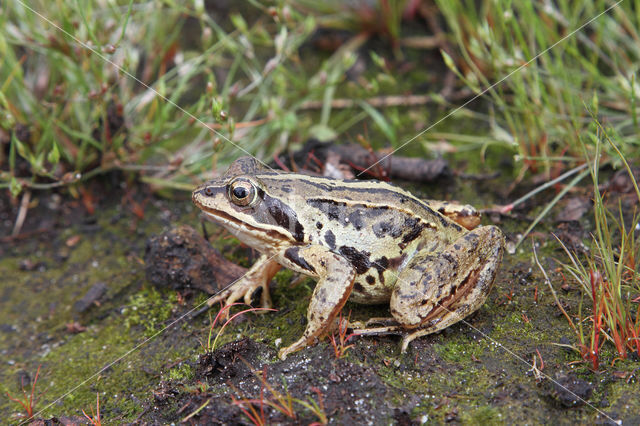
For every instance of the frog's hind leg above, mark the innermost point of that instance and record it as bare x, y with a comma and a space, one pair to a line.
437, 290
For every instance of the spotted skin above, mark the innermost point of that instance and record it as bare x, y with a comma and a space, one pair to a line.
366, 241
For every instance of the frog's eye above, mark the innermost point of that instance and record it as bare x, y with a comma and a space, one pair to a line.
242, 192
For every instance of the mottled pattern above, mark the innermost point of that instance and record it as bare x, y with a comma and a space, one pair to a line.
433, 288
293, 254
364, 240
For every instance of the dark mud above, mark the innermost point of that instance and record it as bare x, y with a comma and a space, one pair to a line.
74, 298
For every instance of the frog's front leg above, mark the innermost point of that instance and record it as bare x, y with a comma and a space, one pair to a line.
336, 278
437, 290
258, 276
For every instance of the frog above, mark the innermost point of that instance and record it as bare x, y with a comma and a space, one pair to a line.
366, 241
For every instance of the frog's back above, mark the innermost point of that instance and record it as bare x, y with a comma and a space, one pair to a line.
335, 199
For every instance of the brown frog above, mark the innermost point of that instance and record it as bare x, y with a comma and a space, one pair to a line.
365, 241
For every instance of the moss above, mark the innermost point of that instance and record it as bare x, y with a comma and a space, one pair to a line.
181, 372
476, 378
455, 350
112, 357
289, 322
149, 309
483, 415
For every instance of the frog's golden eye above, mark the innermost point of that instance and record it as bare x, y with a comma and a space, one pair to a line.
242, 192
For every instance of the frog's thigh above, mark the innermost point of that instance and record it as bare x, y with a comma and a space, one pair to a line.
336, 278
435, 291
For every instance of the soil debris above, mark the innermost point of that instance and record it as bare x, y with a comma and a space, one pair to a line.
239, 369
621, 181
181, 258
574, 209
91, 297
569, 390
62, 420
358, 159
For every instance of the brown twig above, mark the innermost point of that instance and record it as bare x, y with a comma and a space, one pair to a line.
385, 101
22, 213
421, 42
24, 235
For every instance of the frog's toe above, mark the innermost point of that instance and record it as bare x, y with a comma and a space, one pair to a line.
300, 344
219, 298
265, 298
410, 337
379, 331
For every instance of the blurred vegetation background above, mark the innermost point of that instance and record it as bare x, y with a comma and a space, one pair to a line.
168, 90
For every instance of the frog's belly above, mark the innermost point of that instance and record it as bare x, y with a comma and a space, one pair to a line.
376, 272
373, 286
369, 295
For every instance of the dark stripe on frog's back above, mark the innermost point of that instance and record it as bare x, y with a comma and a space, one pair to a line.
378, 193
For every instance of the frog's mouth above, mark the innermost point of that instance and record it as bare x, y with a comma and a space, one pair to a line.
228, 220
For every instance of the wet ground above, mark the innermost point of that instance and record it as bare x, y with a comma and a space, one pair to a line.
75, 300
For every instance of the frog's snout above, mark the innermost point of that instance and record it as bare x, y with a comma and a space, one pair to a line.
200, 194
208, 193
197, 192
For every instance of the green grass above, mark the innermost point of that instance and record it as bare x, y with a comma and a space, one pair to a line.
608, 277
188, 84
258, 80
539, 110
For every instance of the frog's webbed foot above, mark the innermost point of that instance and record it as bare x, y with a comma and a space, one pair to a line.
258, 276
436, 291
410, 337
391, 328
331, 293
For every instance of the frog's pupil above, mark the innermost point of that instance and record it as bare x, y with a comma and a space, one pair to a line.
240, 192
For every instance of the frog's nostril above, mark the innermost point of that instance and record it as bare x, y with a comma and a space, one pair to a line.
208, 191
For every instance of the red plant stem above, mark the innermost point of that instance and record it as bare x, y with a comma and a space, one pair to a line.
541, 360
239, 403
28, 404
597, 322
280, 164
593, 286
33, 389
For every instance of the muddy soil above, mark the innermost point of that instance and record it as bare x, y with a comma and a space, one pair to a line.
75, 300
